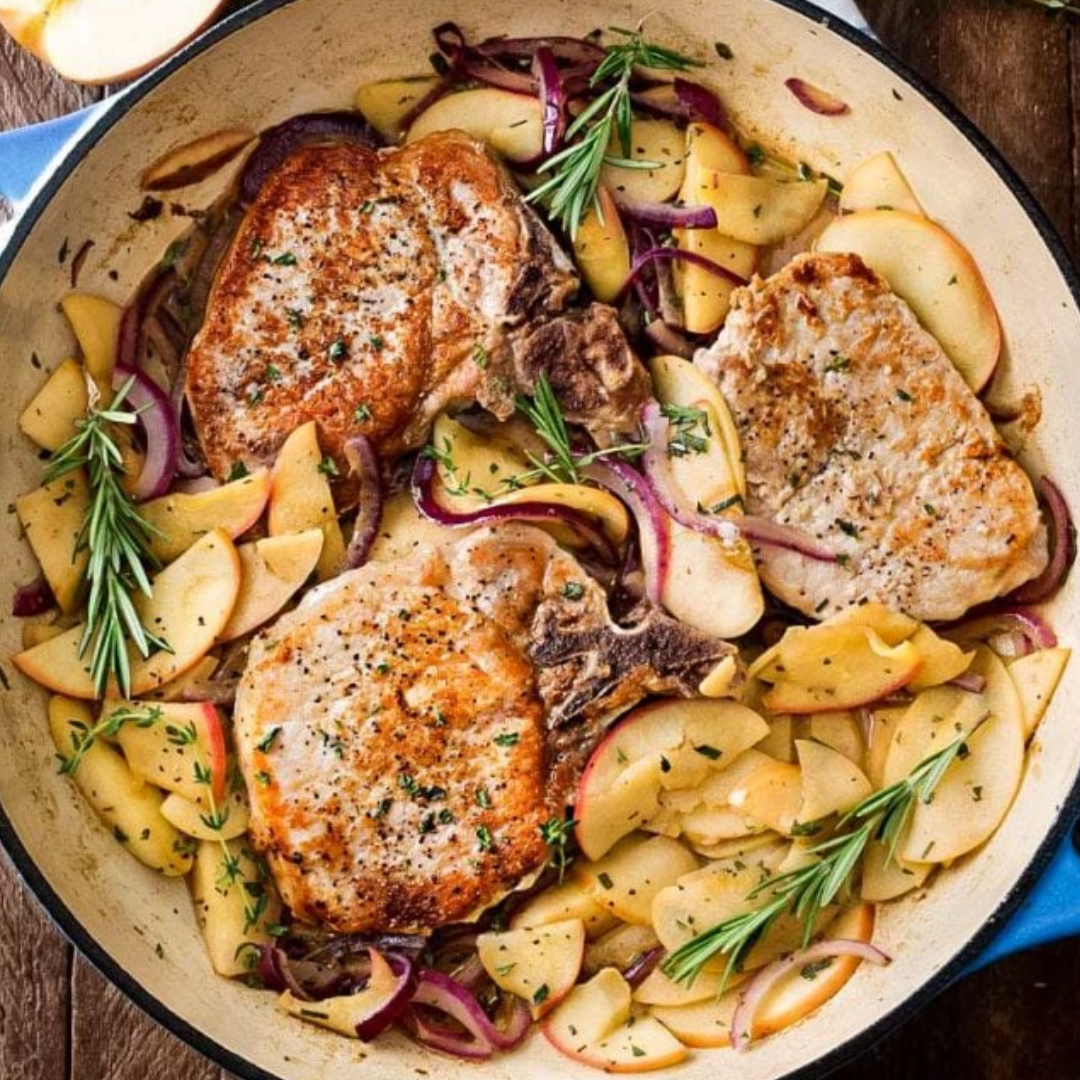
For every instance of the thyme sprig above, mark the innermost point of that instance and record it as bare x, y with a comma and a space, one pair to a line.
808, 890
557, 834
83, 736
571, 188
117, 538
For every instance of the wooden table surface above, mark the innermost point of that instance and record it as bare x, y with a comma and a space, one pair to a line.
1016, 72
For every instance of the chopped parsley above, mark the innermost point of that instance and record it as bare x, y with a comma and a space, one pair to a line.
723, 50
507, 738
337, 350
725, 504
709, 752
605, 880
286, 258
273, 374
483, 798
480, 356
573, 590
848, 528
376, 341
484, 839
328, 467
838, 363
540, 994
237, 472
903, 395
362, 414
268, 742
294, 318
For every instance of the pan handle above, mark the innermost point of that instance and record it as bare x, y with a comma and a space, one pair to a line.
25, 153
1050, 911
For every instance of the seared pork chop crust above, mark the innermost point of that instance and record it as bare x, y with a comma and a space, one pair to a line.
859, 431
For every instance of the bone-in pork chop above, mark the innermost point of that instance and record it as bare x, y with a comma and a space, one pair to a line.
402, 747
859, 432
369, 289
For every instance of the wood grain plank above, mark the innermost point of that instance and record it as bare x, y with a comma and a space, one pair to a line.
31, 91
35, 962
111, 1039
1007, 66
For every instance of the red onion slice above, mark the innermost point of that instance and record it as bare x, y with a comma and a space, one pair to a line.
970, 681
150, 297
643, 965
480, 1039
569, 50
282, 141
33, 598
762, 531
815, 99
396, 978
654, 530
700, 103
158, 422
673, 254
669, 215
552, 98
364, 462
742, 1020
423, 489
1034, 630
1062, 548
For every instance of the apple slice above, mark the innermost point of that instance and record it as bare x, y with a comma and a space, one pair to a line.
191, 819
642, 1044
708, 147
658, 141
928, 268
591, 1012
627, 878
893, 627
128, 806
841, 731
825, 667
886, 879
300, 497
831, 782
706, 826
95, 322
194, 161
1036, 678
942, 660
770, 797
883, 723
540, 963
511, 124
52, 520
706, 296
24, 20
619, 948
387, 103
185, 687
106, 41
271, 572
568, 899
180, 748
756, 209
50, 418
403, 529
190, 604
621, 783
601, 249
878, 184
180, 518
738, 847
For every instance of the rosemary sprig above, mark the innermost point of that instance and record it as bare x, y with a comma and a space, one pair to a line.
807, 891
117, 538
564, 466
84, 737
575, 170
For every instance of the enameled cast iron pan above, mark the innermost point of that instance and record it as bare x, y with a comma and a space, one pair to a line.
281, 57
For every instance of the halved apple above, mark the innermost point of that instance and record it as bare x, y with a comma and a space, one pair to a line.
95, 322
127, 805
105, 41
52, 519
50, 418
180, 519
190, 604
831, 782
935, 274
300, 497
539, 964
621, 783
569, 899
192, 819
1036, 677
180, 747
601, 249
658, 141
271, 572
756, 209
511, 124
387, 103
878, 184
627, 878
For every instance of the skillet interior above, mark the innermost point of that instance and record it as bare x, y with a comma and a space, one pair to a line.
313, 54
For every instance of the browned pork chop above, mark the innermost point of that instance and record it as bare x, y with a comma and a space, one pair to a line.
368, 290
401, 743
858, 431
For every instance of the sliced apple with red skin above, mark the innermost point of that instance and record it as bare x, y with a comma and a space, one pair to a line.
795, 996
50, 418
511, 124
179, 519
878, 184
52, 519
627, 878
1036, 677
569, 899
935, 274
540, 964
387, 103
300, 497
590, 1012
642, 1045
601, 249
621, 783
106, 41
95, 322
272, 571
190, 605
820, 668
180, 749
